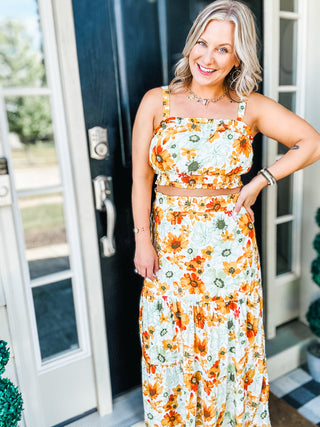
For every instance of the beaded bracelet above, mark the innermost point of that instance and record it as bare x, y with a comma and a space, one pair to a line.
268, 176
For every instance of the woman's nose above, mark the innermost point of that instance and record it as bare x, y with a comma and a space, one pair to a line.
208, 58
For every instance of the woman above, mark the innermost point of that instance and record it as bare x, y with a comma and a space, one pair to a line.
201, 324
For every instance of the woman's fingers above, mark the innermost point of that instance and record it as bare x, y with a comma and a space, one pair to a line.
250, 212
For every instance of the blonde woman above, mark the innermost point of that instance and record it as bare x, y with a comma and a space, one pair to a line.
201, 324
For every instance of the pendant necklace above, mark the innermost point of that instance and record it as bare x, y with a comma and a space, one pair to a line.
205, 101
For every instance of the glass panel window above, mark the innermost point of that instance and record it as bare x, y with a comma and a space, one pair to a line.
288, 100
284, 196
31, 138
288, 49
47, 250
288, 5
21, 59
284, 248
55, 316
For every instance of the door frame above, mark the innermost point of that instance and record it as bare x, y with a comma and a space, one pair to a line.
59, 15
72, 98
285, 286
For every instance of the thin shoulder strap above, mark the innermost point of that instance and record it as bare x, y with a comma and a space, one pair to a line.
241, 110
165, 101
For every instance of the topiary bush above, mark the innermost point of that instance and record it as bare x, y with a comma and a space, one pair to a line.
313, 314
11, 403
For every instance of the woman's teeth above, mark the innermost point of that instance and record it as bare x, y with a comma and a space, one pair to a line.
206, 70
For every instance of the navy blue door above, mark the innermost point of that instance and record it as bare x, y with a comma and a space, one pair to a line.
126, 47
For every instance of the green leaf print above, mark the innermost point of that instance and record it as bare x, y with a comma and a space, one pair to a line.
194, 138
193, 166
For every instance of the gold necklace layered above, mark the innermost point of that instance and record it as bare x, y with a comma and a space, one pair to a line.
205, 101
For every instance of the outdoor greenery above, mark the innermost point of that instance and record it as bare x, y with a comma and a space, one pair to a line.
42, 217
21, 64
11, 403
313, 314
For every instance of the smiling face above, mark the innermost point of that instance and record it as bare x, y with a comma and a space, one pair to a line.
213, 56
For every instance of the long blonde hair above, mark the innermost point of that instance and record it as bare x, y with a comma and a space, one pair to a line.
243, 79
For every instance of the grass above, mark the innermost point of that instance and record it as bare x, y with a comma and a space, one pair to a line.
42, 217
40, 153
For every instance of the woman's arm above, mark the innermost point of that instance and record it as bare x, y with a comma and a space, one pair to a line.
280, 124
146, 260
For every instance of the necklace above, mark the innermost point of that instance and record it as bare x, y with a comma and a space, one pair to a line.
204, 101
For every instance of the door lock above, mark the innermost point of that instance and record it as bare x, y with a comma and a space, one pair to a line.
98, 141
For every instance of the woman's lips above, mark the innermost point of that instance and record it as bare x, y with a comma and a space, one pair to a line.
205, 71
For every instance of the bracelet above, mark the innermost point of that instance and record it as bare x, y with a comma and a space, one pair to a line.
268, 176
138, 229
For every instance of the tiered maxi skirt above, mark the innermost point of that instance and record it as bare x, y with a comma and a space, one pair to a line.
202, 337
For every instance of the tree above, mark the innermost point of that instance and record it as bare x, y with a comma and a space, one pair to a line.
22, 64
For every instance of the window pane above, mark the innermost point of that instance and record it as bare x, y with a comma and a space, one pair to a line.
284, 247
288, 48
21, 59
47, 250
288, 100
288, 5
56, 321
284, 196
31, 138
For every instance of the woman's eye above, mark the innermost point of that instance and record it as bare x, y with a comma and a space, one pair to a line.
223, 50
201, 43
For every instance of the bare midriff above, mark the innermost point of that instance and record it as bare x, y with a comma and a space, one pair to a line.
177, 191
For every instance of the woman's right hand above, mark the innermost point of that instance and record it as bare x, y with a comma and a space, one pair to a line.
146, 259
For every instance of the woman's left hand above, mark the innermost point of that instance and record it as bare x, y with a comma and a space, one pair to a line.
248, 195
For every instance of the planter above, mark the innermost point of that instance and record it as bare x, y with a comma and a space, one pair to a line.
313, 357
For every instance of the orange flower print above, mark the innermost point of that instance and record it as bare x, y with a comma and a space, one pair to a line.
199, 317
157, 215
243, 146
161, 158
246, 225
191, 180
172, 403
181, 318
217, 205
175, 217
252, 327
226, 236
222, 353
196, 264
208, 386
177, 390
209, 412
192, 380
169, 345
214, 371
207, 252
201, 347
152, 390
188, 152
264, 391
172, 419
192, 283
248, 378
231, 268
174, 243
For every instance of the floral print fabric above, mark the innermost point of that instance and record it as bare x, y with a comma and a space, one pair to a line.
200, 320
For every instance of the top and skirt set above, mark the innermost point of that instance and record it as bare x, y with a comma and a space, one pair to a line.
200, 319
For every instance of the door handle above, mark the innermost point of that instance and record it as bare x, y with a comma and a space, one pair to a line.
103, 192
